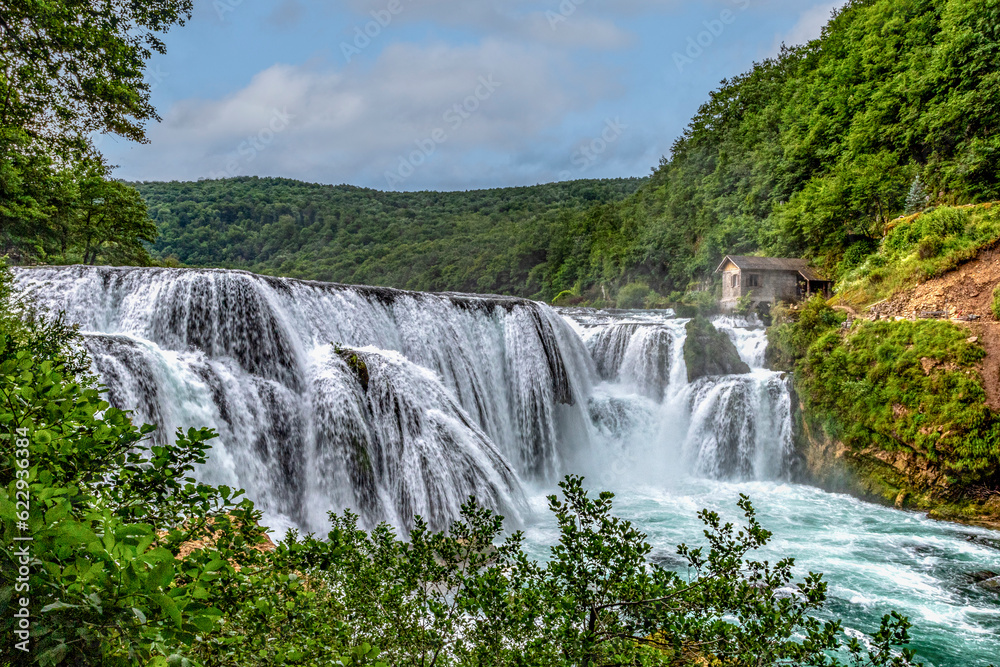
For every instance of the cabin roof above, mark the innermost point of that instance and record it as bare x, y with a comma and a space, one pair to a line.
813, 275
799, 266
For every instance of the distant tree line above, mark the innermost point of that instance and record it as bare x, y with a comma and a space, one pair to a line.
500, 240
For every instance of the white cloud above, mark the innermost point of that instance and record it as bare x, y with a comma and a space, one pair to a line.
552, 27
353, 124
564, 23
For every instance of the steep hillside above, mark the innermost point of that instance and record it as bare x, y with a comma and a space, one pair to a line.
901, 402
815, 151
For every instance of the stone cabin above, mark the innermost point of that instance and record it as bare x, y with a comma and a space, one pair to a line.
769, 279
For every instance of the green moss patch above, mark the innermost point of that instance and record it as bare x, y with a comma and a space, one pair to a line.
901, 386
357, 364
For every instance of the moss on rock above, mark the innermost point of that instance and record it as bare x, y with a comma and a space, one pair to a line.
355, 363
898, 480
708, 352
895, 412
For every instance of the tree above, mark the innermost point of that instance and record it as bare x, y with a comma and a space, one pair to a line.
70, 68
917, 197
36, 200
113, 220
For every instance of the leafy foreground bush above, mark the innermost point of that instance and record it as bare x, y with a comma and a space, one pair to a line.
133, 562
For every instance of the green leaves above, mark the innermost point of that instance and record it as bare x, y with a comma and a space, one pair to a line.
468, 596
73, 68
107, 514
170, 608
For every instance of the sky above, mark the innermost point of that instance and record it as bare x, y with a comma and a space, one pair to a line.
444, 94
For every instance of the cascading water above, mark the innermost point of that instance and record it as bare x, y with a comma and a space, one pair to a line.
463, 395
732, 435
731, 427
397, 403
741, 425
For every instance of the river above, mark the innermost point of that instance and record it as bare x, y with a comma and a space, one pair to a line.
398, 403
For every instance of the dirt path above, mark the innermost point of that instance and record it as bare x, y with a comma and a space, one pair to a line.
966, 291
989, 368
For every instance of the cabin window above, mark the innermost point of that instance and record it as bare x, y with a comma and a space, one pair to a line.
736, 280
753, 281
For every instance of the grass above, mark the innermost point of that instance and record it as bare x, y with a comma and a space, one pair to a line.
911, 386
918, 248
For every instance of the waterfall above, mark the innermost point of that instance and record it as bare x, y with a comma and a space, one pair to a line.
747, 334
730, 427
395, 404
465, 395
740, 427
643, 353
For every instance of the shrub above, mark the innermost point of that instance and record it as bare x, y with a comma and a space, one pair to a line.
944, 221
857, 253
930, 246
656, 302
917, 249
789, 340
744, 304
633, 295
471, 597
704, 303
107, 512
996, 303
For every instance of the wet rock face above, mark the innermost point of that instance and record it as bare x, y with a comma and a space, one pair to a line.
708, 352
980, 576
991, 584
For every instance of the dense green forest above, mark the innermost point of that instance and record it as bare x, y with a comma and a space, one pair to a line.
499, 240
813, 152
810, 153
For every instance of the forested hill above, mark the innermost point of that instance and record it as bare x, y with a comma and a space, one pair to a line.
895, 107
812, 153
500, 240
